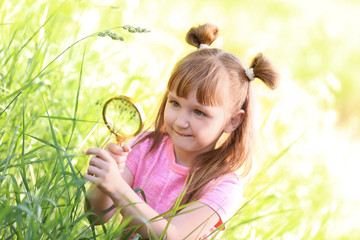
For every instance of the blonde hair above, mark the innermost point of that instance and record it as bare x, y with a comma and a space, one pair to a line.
206, 70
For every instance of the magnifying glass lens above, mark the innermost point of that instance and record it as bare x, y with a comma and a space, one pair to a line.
123, 117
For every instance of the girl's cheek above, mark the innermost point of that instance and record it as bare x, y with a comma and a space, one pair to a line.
168, 113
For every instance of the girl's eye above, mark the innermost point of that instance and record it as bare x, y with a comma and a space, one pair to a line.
199, 113
174, 103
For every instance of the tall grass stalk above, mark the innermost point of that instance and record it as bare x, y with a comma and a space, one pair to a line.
42, 190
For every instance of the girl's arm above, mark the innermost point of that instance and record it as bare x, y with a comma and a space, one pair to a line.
100, 202
192, 222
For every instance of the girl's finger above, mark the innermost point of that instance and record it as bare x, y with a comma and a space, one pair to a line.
100, 153
110, 147
116, 149
94, 171
90, 178
95, 161
126, 148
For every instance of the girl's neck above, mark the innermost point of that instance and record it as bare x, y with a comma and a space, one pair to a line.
183, 158
186, 158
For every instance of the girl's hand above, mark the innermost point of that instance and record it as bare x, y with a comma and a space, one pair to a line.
119, 154
104, 172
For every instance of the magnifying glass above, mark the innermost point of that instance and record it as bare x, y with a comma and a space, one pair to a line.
123, 117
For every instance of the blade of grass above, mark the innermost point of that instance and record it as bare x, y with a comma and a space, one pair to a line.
15, 98
51, 62
177, 205
282, 153
59, 155
87, 204
87, 136
11, 148
22, 158
29, 83
77, 99
29, 213
34, 34
58, 150
69, 119
8, 46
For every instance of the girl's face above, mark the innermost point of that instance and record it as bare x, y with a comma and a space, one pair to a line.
194, 128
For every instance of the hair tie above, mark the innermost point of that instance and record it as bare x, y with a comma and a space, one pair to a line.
203, 46
250, 73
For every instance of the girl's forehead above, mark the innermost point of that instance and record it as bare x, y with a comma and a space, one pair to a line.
209, 82
216, 97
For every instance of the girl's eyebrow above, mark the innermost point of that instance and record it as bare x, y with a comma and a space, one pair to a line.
171, 95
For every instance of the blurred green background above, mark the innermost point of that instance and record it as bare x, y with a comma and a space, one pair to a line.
52, 89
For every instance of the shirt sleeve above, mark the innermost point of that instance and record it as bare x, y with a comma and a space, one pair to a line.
225, 197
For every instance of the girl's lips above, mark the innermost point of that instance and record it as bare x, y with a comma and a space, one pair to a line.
181, 134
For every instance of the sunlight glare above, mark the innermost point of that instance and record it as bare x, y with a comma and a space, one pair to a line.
179, 16
333, 82
41, 22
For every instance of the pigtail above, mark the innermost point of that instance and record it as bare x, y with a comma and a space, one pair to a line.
265, 71
203, 34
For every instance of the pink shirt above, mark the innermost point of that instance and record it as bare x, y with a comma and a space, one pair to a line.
162, 180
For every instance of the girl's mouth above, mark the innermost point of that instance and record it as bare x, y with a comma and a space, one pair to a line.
182, 134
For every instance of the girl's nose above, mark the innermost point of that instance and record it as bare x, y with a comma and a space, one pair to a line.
182, 120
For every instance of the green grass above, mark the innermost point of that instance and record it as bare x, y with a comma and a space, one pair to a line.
42, 190
50, 111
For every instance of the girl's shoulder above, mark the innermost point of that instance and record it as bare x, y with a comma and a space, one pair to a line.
142, 138
145, 140
230, 180
225, 195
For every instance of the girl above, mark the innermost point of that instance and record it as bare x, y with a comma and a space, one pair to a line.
202, 135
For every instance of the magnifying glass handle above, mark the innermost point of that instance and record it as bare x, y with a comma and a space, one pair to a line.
120, 141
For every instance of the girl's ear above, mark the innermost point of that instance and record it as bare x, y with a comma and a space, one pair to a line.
234, 122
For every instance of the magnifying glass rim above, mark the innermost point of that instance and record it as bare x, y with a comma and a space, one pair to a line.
129, 100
